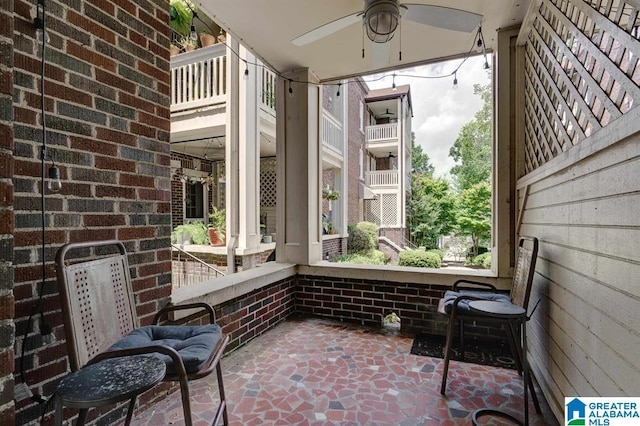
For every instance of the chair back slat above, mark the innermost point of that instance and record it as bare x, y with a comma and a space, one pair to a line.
97, 301
524, 271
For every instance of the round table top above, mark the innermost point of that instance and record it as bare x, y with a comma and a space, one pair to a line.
496, 308
110, 381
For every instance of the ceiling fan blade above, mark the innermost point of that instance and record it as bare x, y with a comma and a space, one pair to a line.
327, 29
442, 17
380, 54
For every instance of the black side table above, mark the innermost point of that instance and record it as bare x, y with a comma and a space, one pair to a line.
516, 316
107, 382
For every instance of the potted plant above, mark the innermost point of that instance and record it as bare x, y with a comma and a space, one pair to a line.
194, 232
222, 36
217, 226
206, 38
329, 193
174, 49
188, 44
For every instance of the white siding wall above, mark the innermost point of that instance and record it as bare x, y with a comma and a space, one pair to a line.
581, 156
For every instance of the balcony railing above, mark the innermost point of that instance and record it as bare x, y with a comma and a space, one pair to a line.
199, 78
382, 133
332, 132
382, 178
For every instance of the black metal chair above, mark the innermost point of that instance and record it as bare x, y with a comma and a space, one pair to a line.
455, 304
100, 323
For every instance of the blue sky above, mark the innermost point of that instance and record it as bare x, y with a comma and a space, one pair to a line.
439, 110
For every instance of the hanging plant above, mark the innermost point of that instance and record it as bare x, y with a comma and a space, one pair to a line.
329, 193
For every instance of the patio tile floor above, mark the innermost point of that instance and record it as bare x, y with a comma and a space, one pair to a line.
310, 371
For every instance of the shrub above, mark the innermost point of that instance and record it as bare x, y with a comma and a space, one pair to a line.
360, 240
418, 258
375, 257
371, 229
483, 261
440, 253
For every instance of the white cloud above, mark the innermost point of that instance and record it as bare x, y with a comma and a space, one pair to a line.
439, 111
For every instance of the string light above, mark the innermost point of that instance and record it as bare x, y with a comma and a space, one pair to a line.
478, 43
338, 92
455, 80
193, 35
246, 71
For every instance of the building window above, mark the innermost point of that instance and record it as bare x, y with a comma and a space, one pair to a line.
194, 201
361, 163
361, 115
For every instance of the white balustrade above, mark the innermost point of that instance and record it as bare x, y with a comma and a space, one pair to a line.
382, 178
332, 132
382, 132
198, 78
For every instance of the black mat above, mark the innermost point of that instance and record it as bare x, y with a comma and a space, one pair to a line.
494, 353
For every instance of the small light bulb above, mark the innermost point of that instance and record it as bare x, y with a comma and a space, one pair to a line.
455, 81
486, 64
290, 89
193, 34
54, 184
245, 77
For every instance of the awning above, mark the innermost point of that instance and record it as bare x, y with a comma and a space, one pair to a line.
366, 193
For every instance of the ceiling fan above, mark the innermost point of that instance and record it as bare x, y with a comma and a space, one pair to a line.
382, 17
388, 113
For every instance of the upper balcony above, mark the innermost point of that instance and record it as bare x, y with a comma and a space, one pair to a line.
382, 138
199, 87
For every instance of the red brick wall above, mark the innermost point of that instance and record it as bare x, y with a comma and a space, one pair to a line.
356, 140
7, 329
107, 102
333, 247
368, 302
250, 315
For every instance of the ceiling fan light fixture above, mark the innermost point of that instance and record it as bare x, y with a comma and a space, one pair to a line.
381, 19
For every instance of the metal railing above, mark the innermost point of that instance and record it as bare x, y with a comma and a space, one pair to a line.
382, 178
382, 132
186, 269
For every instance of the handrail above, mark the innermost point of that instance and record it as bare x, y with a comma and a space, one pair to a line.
201, 271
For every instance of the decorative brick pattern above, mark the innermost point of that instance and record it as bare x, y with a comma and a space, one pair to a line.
333, 247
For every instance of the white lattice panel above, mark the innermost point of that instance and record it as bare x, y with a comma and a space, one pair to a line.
389, 208
581, 73
268, 182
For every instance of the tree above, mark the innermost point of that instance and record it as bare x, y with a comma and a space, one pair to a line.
472, 149
420, 161
474, 213
431, 209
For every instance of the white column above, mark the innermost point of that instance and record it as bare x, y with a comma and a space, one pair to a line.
249, 154
299, 237
231, 155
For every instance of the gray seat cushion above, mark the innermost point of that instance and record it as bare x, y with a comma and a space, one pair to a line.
463, 307
194, 344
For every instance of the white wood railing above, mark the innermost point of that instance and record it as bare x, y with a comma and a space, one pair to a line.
382, 178
198, 78
267, 94
382, 132
332, 132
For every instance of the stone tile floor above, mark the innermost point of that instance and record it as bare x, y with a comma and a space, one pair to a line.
310, 371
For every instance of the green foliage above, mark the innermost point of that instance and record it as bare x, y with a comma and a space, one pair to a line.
363, 237
374, 257
482, 260
472, 148
419, 258
180, 16
440, 253
474, 214
420, 162
218, 221
431, 209
195, 231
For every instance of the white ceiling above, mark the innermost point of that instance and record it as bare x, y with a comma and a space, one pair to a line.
268, 26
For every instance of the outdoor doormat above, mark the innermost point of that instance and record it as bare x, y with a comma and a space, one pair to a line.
494, 353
